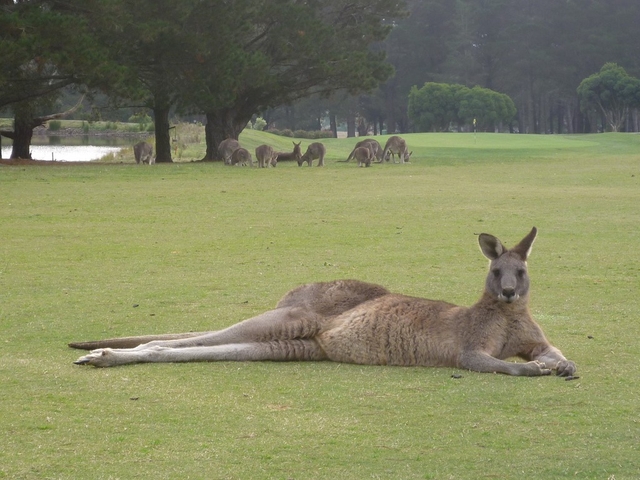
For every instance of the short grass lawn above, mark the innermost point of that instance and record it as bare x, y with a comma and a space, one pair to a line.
94, 251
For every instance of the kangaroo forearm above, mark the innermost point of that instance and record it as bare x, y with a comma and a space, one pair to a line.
485, 363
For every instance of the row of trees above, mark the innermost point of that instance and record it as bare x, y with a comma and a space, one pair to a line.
535, 51
225, 59
297, 61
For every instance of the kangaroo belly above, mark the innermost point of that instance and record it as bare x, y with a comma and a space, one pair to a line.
394, 330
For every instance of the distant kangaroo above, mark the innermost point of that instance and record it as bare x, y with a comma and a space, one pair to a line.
396, 146
357, 322
315, 150
293, 155
266, 156
143, 153
240, 157
367, 142
364, 155
226, 149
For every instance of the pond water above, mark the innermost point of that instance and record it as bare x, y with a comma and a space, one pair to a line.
83, 148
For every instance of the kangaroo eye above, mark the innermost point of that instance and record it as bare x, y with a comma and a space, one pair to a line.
521, 273
496, 272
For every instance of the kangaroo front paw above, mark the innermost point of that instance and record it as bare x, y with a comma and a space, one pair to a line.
536, 368
566, 368
103, 357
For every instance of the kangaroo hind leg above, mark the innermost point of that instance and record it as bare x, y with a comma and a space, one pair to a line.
285, 350
286, 323
280, 324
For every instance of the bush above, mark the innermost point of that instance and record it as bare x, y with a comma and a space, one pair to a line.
54, 125
141, 118
259, 124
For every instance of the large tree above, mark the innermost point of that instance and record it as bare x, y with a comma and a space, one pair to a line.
152, 41
258, 54
613, 92
45, 46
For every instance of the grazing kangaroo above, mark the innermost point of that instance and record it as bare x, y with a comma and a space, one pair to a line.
315, 150
357, 322
396, 146
296, 154
226, 149
373, 145
143, 152
266, 156
240, 157
364, 156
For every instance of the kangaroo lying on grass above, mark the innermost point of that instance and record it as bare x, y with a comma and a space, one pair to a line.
356, 322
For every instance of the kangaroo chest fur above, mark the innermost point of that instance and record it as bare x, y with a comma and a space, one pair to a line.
402, 330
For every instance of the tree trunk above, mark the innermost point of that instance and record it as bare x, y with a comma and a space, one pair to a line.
334, 124
351, 125
24, 121
362, 127
163, 138
221, 125
23, 125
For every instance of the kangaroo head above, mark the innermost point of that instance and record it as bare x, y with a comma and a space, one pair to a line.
507, 280
297, 153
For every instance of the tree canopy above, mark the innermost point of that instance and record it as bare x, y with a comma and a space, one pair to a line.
441, 106
232, 59
45, 46
268, 53
227, 59
612, 91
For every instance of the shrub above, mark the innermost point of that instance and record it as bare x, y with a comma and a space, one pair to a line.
259, 124
141, 118
54, 125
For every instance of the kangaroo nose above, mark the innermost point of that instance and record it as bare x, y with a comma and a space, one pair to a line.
508, 293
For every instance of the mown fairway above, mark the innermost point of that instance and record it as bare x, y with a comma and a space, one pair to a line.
93, 251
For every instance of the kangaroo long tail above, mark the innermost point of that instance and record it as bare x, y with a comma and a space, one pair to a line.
130, 342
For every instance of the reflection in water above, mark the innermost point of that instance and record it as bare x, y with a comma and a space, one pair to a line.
79, 148
64, 153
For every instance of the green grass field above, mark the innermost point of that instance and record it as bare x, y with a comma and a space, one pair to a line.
93, 251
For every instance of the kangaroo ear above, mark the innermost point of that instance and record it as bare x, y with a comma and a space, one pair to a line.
524, 247
491, 247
